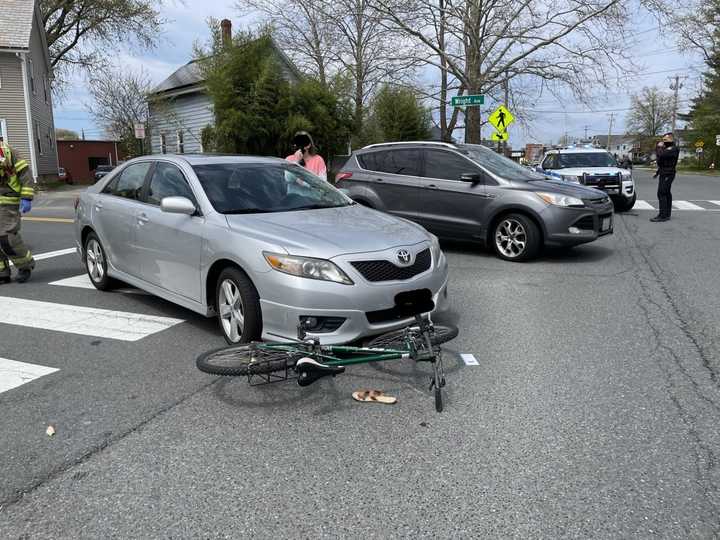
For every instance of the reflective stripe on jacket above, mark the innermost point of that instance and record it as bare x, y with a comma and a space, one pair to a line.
13, 179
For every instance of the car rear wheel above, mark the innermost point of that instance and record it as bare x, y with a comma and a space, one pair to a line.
96, 263
238, 307
516, 238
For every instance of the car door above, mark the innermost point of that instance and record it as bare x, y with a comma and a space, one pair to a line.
114, 216
170, 244
453, 207
393, 177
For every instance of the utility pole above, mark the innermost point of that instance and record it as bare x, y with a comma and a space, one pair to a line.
675, 87
612, 116
586, 128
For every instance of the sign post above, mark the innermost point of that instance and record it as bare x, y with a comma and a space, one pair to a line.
140, 134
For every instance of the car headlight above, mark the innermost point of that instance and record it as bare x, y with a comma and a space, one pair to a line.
571, 178
557, 199
435, 249
307, 267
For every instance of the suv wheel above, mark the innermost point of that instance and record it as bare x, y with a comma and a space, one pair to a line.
516, 238
623, 205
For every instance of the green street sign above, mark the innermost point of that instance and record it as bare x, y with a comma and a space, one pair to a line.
468, 101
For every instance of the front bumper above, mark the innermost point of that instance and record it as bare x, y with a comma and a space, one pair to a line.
575, 226
285, 299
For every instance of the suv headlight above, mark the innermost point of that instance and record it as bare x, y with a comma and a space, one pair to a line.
557, 199
571, 178
307, 267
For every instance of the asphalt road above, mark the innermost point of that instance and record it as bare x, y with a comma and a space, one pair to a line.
593, 411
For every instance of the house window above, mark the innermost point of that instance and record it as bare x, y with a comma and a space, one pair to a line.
31, 69
163, 144
37, 138
180, 142
45, 90
51, 143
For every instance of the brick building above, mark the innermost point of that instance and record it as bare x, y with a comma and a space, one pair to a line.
81, 158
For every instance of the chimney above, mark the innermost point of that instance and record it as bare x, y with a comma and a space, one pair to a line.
226, 28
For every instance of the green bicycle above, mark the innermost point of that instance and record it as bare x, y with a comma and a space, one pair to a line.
308, 361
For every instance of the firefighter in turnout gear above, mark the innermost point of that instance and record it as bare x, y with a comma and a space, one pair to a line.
16, 195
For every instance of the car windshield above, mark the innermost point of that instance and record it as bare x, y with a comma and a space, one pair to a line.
251, 188
500, 165
586, 159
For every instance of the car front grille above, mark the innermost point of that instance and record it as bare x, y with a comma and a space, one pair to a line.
602, 180
586, 223
387, 271
596, 202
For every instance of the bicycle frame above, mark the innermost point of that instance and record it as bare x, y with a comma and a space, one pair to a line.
340, 355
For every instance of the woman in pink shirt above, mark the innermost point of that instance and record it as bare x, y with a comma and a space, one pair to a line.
307, 156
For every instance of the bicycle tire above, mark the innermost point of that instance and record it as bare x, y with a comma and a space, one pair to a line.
246, 359
396, 340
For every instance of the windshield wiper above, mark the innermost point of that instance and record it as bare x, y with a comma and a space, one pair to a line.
249, 211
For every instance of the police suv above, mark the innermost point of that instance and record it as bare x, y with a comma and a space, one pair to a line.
592, 167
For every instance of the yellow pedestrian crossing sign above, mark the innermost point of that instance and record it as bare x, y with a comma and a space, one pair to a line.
501, 119
499, 136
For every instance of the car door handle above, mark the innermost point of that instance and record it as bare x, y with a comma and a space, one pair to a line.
142, 219
98, 206
378, 179
431, 186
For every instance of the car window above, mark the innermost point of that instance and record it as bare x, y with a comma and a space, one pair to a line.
550, 162
129, 182
400, 161
446, 165
247, 188
168, 181
587, 159
499, 165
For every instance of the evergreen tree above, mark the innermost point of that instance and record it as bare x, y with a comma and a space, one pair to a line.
396, 115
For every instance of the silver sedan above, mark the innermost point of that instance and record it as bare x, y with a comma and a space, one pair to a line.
260, 243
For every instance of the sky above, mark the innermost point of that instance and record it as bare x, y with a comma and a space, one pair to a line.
546, 121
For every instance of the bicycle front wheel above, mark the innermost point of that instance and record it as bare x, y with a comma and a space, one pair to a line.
248, 359
399, 339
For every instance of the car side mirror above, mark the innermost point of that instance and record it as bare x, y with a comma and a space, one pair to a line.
473, 178
178, 205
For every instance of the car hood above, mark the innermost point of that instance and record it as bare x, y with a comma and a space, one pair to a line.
579, 171
329, 232
566, 188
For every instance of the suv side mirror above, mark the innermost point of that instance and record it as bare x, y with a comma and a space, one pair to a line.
473, 178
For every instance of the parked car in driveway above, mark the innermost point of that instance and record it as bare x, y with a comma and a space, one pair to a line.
468, 192
64, 176
102, 170
260, 243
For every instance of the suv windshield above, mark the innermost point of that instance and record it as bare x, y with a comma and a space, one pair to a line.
499, 165
248, 188
586, 159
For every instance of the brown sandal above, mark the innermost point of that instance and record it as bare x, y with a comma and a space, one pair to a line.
373, 396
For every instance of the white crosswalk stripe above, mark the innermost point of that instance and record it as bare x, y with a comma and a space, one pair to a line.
85, 321
83, 282
52, 254
680, 205
685, 205
14, 374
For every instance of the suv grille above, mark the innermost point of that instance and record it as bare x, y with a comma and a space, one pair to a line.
604, 180
596, 202
586, 223
387, 271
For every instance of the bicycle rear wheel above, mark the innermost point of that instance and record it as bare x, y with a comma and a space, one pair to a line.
439, 334
248, 359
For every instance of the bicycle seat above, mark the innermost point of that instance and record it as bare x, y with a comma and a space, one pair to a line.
309, 371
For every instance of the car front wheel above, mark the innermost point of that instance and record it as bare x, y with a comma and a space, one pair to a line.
516, 238
96, 263
238, 307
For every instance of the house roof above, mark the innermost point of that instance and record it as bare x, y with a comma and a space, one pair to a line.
16, 20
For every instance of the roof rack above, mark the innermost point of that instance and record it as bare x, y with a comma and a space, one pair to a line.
429, 143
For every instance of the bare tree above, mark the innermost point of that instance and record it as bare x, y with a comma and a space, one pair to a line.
120, 101
650, 115
79, 31
480, 45
697, 25
301, 29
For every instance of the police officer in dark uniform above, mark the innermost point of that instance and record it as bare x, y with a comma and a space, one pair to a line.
667, 157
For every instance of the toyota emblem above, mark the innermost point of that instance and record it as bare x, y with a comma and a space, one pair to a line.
403, 256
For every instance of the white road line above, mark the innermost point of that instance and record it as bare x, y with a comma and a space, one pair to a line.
51, 254
684, 205
83, 282
469, 359
642, 205
85, 321
14, 374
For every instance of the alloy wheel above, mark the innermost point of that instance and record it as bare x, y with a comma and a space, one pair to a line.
232, 313
511, 238
94, 259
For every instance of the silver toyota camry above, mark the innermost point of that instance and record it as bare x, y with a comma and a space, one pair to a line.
260, 243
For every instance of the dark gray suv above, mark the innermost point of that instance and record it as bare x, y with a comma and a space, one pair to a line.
468, 192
